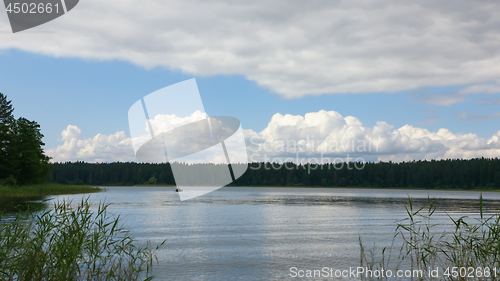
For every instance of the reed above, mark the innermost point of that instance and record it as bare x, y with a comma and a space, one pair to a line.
65, 243
469, 251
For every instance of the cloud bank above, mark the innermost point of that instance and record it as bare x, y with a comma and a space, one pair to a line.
100, 148
308, 138
293, 48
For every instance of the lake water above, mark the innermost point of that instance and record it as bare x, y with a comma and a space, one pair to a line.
260, 233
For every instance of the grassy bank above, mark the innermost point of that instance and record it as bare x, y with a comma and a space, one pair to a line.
45, 189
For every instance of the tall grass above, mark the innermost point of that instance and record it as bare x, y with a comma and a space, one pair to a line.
472, 244
66, 243
45, 189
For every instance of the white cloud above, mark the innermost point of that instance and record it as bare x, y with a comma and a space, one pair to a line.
445, 100
100, 148
293, 48
461, 95
162, 123
191, 144
329, 135
319, 134
488, 88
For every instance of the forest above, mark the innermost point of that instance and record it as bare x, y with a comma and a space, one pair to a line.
463, 174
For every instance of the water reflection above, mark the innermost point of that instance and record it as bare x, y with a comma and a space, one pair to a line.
259, 233
22, 204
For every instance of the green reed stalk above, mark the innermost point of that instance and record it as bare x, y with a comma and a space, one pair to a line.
472, 244
66, 243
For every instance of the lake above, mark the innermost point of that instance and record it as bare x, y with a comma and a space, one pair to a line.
243, 233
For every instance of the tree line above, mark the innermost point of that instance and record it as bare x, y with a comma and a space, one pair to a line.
466, 174
22, 159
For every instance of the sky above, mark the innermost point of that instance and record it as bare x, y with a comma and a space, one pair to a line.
420, 79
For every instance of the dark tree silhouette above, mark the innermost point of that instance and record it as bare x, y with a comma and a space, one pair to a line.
23, 160
465, 174
6, 122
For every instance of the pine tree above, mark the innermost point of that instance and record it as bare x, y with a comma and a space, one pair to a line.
6, 121
32, 164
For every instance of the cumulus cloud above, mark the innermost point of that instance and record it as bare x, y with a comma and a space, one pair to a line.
200, 142
326, 135
315, 136
100, 148
293, 48
162, 123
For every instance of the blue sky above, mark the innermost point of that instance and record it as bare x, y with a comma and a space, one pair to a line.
96, 96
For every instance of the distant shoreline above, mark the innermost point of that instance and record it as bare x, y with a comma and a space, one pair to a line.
329, 187
392, 188
62, 189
